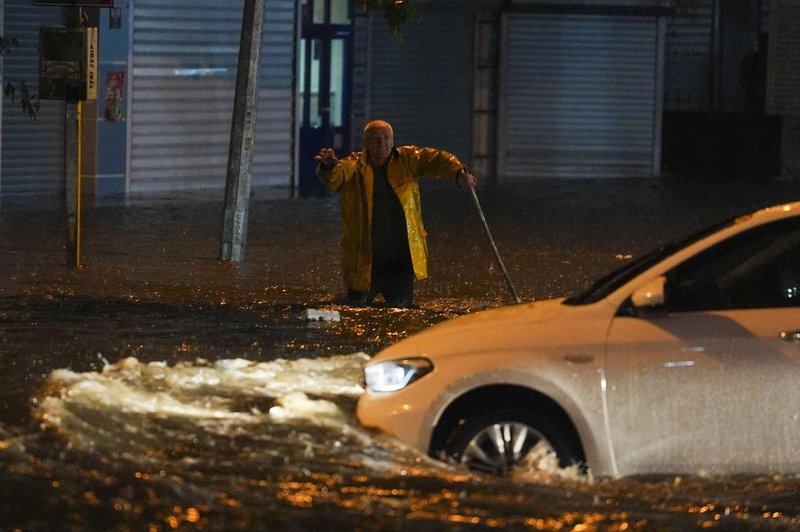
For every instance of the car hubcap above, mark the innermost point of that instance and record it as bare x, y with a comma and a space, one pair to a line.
502, 447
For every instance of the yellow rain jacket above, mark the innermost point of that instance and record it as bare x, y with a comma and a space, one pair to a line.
352, 176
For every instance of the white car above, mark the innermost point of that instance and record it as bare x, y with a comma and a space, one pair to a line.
685, 360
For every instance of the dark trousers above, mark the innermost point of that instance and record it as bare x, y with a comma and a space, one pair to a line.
394, 280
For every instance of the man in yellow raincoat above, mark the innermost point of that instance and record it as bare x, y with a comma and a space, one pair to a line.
384, 245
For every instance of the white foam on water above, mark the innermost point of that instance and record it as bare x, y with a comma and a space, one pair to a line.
238, 396
213, 392
298, 404
542, 467
336, 375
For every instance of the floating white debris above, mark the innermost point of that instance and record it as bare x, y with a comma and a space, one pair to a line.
312, 314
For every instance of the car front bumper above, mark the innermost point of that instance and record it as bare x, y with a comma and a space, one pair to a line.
403, 414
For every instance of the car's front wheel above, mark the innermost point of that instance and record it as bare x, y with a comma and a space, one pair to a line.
500, 443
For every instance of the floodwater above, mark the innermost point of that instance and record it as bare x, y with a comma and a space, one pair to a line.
157, 388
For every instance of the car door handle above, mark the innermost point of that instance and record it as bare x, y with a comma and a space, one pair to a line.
790, 336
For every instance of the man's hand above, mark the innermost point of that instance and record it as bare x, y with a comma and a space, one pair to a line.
465, 179
326, 157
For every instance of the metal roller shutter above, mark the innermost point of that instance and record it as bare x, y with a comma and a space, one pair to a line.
273, 161
184, 75
579, 96
422, 83
33, 150
688, 58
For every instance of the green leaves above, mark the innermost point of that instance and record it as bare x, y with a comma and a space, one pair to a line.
29, 104
7, 43
397, 13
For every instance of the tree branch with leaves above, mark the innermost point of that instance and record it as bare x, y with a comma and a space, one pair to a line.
397, 13
29, 103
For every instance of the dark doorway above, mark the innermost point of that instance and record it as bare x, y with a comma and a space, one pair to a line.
324, 84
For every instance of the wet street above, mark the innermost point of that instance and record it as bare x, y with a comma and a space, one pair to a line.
157, 388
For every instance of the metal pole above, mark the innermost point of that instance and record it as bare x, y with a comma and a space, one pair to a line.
240, 155
72, 180
72, 164
494, 247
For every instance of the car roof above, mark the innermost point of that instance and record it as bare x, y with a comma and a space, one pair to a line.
783, 210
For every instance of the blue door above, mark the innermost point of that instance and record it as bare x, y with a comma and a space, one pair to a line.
324, 84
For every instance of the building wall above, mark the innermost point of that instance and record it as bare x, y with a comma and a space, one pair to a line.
178, 60
579, 94
183, 77
111, 108
710, 129
33, 149
706, 43
422, 83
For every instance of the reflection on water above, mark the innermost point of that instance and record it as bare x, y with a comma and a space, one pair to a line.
229, 442
160, 389
259, 445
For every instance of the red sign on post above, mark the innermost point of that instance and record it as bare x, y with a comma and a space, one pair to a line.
75, 3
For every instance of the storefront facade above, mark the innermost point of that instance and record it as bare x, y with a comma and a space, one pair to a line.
519, 90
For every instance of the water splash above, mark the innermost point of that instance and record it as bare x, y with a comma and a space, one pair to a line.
226, 389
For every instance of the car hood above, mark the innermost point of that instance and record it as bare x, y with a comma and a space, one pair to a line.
508, 328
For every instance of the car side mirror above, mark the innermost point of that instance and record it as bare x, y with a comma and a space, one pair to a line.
650, 294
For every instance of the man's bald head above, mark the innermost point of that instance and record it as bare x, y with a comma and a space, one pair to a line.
378, 141
378, 124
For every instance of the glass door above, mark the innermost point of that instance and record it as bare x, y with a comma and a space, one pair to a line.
323, 84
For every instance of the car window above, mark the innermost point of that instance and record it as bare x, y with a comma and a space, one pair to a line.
618, 277
759, 268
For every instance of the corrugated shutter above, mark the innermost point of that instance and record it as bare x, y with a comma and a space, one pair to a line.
33, 150
273, 160
184, 75
764, 6
687, 83
578, 96
422, 83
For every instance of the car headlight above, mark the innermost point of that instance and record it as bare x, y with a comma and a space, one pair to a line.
394, 375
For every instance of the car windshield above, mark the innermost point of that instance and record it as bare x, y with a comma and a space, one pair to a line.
610, 282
